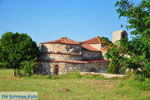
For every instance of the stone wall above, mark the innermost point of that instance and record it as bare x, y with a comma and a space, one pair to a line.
43, 68
47, 68
86, 55
87, 67
45, 57
61, 48
60, 57
89, 55
61, 67
63, 52
65, 57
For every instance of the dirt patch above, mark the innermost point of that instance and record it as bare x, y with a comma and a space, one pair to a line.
62, 90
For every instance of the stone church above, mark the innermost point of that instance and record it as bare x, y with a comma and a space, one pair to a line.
65, 55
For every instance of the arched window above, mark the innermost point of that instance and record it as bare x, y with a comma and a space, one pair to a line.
56, 69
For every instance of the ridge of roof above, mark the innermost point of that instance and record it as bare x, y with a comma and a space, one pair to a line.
95, 40
63, 40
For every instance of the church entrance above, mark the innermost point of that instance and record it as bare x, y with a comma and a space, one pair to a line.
56, 69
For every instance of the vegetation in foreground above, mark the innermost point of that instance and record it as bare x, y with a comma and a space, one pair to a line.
133, 54
77, 88
18, 51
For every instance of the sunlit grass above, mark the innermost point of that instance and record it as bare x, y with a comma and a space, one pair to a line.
85, 88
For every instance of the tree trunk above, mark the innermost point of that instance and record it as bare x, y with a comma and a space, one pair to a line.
29, 73
18, 71
15, 72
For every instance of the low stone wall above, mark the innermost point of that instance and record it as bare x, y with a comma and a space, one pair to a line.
104, 74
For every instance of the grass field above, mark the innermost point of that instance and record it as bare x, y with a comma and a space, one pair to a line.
76, 89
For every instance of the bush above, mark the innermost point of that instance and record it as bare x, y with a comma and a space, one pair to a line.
130, 73
1, 65
5, 65
146, 69
140, 77
134, 75
112, 68
28, 67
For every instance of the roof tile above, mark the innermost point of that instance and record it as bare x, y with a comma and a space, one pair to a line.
63, 40
95, 40
90, 48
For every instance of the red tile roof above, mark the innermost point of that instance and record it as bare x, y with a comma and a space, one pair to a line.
91, 61
63, 40
95, 40
90, 48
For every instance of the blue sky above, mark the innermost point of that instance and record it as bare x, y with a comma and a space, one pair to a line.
47, 20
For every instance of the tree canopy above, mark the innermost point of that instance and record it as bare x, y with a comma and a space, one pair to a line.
138, 16
134, 54
105, 41
16, 48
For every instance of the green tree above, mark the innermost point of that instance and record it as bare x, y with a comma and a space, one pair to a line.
0, 58
114, 54
138, 16
17, 48
106, 41
112, 67
139, 58
135, 52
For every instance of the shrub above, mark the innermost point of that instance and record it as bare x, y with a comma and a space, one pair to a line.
112, 68
147, 69
1, 65
28, 67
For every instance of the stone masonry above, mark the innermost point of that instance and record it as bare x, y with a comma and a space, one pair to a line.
65, 55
